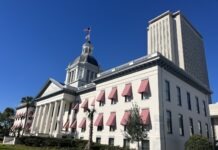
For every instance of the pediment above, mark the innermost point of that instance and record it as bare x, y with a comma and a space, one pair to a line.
50, 87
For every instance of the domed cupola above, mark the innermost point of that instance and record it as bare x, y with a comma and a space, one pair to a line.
85, 67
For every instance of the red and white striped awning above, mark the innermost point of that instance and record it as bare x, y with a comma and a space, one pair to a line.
101, 96
112, 119
85, 104
127, 90
145, 116
99, 120
83, 123
144, 87
73, 125
125, 118
113, 93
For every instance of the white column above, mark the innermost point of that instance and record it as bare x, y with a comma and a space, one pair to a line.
38, 119
41, 117
60, 117
42, 125
48, 118
34, 119
54, 117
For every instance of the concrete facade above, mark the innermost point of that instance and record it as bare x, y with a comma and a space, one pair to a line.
176, 102
174, 37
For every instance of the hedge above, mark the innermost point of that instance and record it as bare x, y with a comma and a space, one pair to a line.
61, 143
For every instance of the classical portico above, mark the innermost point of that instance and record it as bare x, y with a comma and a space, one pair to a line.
52, 103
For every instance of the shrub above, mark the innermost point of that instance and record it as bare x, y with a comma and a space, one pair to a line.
197, 142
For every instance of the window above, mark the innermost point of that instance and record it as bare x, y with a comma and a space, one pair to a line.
167, 90
191, 128
101, 103
145, 145
69, 77
197, 105
169, 122
199, 127
144, 96
126, 143
124, 128
112, 128
72, 76
179, 100
99, 128
181, 127
128, 98
83, 129
207, 130
69, 110
113, 101
98, 140
111, 141
205, 110
189, 101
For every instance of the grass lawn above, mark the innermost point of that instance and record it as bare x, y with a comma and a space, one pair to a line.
23, 147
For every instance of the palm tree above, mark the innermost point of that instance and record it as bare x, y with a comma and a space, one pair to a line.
28, 100
91, 117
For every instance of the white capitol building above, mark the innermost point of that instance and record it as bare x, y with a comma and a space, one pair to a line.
169, 84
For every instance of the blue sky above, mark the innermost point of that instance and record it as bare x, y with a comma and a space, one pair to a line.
39, 38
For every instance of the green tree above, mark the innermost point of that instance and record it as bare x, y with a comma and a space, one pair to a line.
28, 101
135, 129
6, 120
198, 142
90, 117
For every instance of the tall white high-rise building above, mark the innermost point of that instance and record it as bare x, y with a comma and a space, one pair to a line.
174, 37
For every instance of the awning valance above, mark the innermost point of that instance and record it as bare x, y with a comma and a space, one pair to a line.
127, 90
99, 120
125, 118
113, 93
144, 86
111, 120
145, 116
101, 96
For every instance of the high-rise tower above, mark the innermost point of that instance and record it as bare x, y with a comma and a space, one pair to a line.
173, 36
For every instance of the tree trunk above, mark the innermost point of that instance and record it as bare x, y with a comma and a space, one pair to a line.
90, 133
24, 127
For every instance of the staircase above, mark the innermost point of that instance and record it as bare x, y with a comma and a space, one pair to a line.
9, 140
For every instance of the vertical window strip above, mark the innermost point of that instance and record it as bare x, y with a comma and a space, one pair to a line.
179, 96
169, 122
181, 127
167, 89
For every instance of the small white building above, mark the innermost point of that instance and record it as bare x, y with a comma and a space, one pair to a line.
173, 102
22, 123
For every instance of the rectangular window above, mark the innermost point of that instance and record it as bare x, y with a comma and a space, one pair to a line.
189, 101
144, 96
205, 110
167, 90
101, 103
113, 101
197, 105
200, 127
169, 122
128, 98
99, 128
83, 129
98, 140
126, 143
181, 127
112, 128
145, 145
111, 141
191, 128
179, 100
207, 130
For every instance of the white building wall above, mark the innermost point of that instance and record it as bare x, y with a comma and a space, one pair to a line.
175, 140
152, 103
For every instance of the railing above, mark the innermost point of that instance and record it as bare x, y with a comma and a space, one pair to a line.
133, 62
